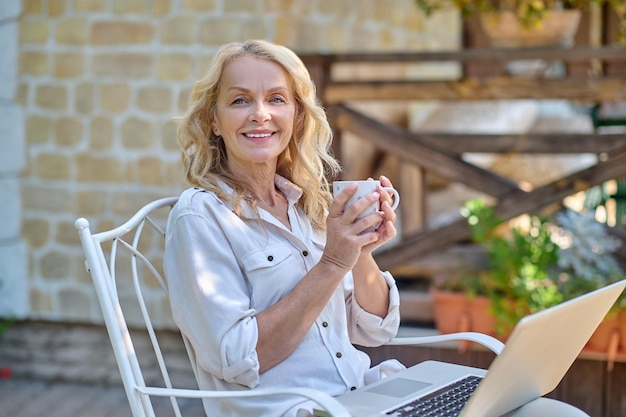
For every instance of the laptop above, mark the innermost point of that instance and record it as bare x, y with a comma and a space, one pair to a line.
535, 358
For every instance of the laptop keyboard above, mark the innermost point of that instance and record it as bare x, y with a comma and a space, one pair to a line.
446, 402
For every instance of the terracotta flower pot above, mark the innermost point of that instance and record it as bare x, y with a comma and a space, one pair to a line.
457, 312
609, 338
504, 30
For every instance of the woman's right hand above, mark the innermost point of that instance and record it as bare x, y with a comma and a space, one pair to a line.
344, 235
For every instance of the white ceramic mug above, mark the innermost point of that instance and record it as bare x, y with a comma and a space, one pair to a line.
366, 187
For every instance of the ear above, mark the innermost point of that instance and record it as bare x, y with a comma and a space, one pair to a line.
216, 130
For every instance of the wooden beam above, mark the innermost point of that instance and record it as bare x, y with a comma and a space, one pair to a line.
410, 149
577, 54
514, 204
586, 90
557, 143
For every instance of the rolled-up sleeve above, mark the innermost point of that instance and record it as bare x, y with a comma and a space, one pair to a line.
210, 299
368, 329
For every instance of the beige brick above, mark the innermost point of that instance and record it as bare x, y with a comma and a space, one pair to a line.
55, 265
66, 233
32, 6
175, 175
136, 133
53, 166
114, 97
69, 65
74, 304
121, 33
132, 65
36, 232
161, 7
68, 132
130, 6
238, 6
217, 31
150, 171
84, 98
183, 99
198, 5
101, 133
254, 29
40, 301
89, 5
201, 65
337, 38
308, 37
56, 7
34, 63
174, 67
51, 97
126, 203
50, 199
279, 6
155, 99
90, 203
168, 136
38, 129
34, 31
98, 169
179, 30
286, 28
72, 31
336, 9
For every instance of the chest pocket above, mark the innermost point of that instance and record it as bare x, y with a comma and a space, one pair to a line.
272, 272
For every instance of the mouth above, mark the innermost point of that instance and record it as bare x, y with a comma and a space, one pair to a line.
258, 135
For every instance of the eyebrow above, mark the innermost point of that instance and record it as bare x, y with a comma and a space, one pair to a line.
271, 90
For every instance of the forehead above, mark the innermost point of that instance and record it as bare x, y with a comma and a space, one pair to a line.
249, 72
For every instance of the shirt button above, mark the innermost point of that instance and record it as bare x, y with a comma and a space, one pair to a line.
352, 388
325, 324
270, 258
338, 354
305, 253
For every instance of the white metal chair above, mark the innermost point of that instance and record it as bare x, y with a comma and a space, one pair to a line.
111, 279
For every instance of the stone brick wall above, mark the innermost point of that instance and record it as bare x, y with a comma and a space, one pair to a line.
99, 82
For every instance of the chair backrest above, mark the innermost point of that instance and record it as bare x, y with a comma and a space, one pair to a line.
118, 265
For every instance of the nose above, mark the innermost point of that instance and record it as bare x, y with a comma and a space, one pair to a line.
260, 113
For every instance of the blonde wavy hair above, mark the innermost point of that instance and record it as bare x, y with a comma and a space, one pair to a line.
307, 161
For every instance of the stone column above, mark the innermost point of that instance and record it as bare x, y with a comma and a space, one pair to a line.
13, 254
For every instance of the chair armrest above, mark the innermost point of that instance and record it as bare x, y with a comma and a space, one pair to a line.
489, 342
332, 406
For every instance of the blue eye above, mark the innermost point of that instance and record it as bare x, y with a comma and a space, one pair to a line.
277, 100
238, 101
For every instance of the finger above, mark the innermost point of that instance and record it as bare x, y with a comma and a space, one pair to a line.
368, 223
388, 212
338, 204
385, 182
385, 196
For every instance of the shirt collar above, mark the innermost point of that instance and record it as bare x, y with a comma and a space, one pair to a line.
291, 191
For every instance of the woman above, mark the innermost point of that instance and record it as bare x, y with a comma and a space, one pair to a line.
270, 279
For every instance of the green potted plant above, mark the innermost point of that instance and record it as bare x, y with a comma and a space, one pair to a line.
531, 267
535, 17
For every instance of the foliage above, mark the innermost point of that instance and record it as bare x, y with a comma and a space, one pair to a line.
537, 266
518, 278
586, 259
529, 12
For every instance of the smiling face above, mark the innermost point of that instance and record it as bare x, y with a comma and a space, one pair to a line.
254, 112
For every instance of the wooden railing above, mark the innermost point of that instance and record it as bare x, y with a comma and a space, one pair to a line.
440, 154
